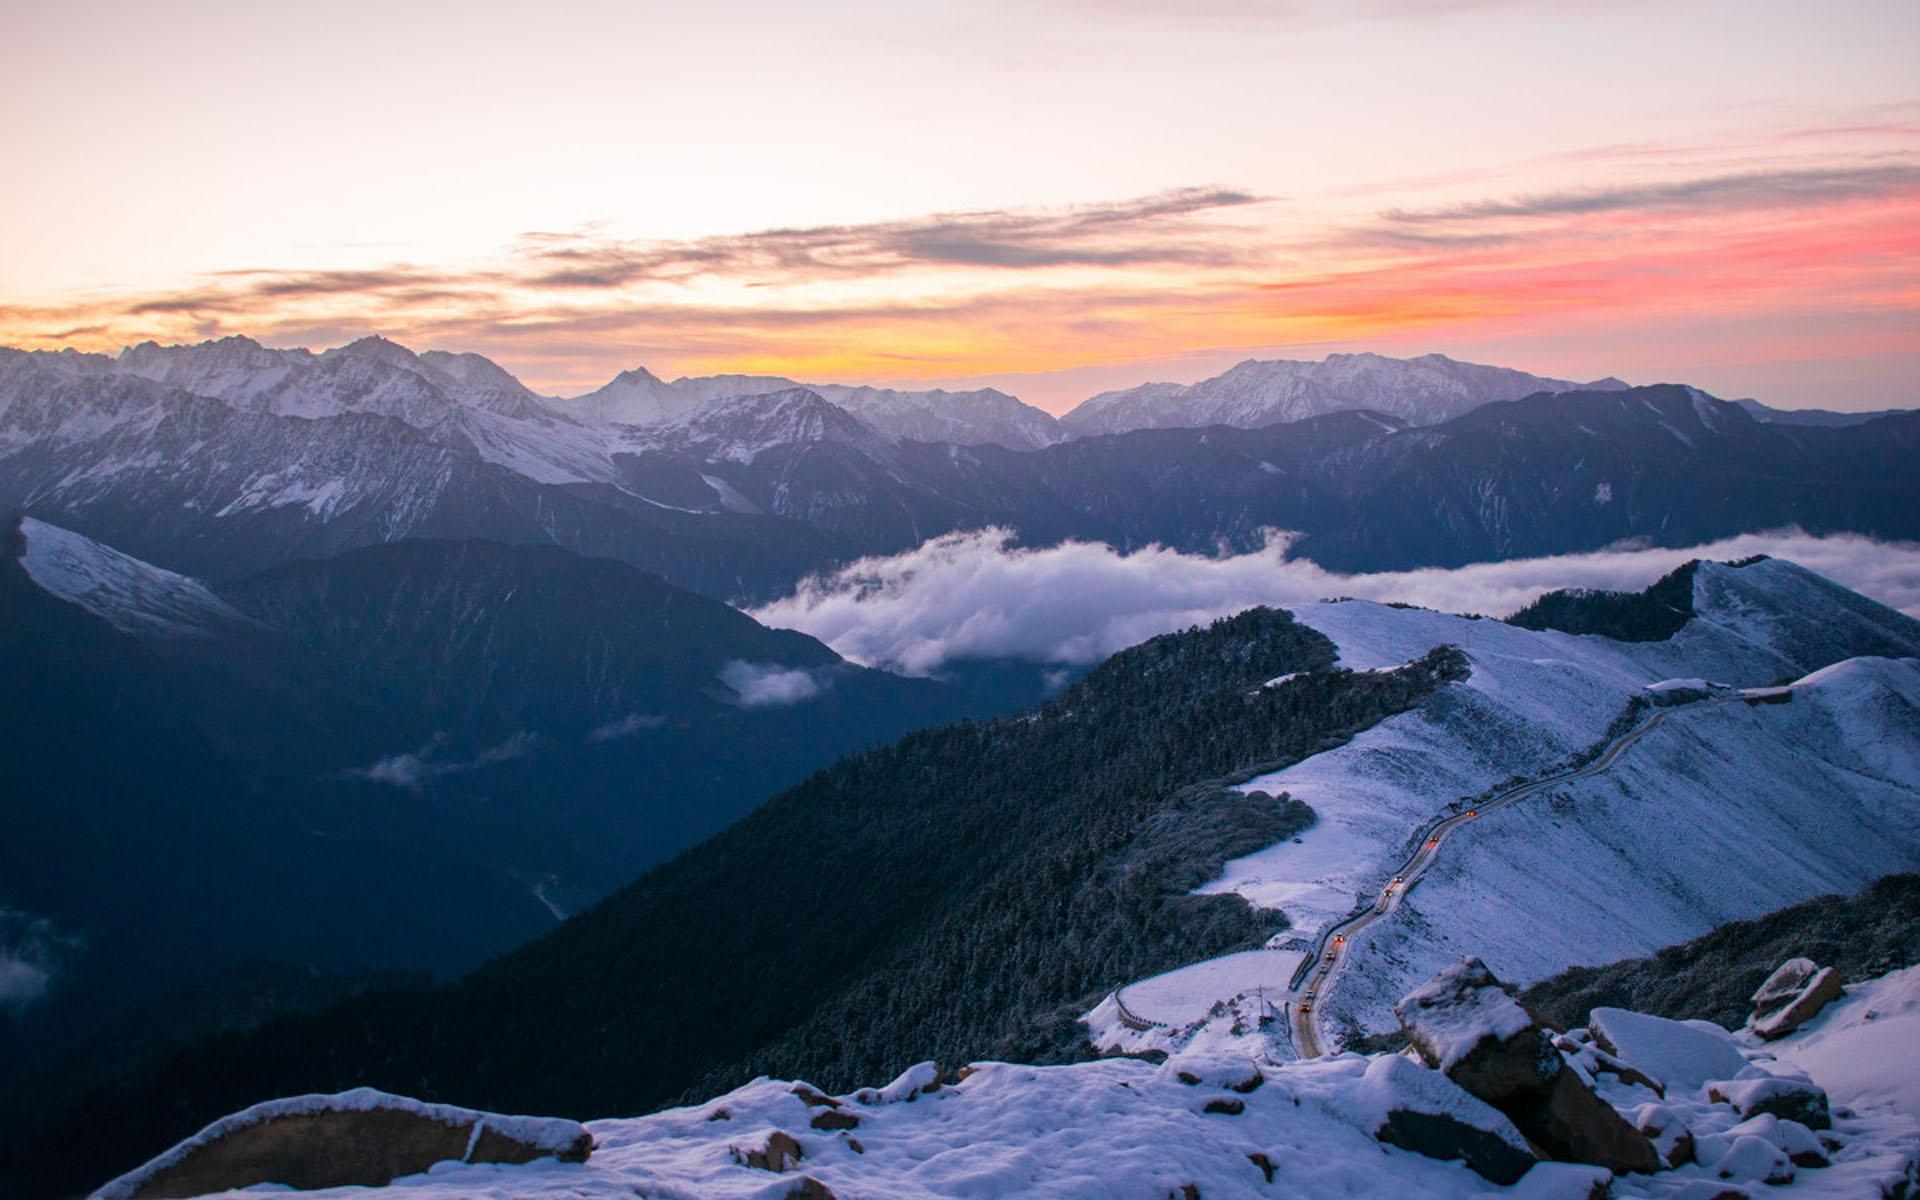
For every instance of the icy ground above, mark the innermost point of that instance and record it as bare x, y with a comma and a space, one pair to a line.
1120, 1129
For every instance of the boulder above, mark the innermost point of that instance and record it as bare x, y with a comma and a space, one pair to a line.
1423, 1111
1464, 1023
1793, 995
361, 1138
1668, 1132
834, 1119
1780, 1095
1753, 1159
1681, 1056
1796, 1140
777, 1152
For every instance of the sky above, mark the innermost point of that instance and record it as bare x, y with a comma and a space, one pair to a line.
1050, 196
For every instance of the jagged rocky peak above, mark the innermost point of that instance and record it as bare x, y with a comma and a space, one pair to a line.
744, 427
230, 368
375, 347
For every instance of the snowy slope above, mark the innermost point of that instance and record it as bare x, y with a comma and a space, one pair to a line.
1726, 811
1197, 1125
1418, 391
1847, 1046
133, 596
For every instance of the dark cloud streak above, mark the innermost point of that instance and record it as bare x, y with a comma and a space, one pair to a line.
1754, 189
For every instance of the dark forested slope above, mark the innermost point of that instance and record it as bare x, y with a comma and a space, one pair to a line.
948, 896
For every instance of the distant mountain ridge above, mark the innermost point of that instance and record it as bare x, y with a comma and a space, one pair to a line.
225, 459
985, 416
1824, 417
1415, 391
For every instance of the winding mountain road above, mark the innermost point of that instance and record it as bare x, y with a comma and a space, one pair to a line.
1330, 950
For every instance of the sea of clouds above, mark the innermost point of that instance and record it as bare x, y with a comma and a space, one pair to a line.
977, 595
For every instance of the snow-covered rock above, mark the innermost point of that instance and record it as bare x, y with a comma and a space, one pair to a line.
363, 1138
1682, 1056
1458, 1011
1464, 1024
1793, 995
1782, 1096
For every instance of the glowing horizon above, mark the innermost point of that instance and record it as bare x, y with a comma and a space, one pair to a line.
1591, 194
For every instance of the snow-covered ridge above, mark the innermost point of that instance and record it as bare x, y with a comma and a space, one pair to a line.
1727, 810
1419, 391
133, 596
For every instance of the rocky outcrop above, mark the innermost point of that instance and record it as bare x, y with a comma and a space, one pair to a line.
362, 1138
1464, 1022
1793, 995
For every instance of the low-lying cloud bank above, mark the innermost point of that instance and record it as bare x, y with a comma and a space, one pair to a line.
974, 595
32, 955
762, 685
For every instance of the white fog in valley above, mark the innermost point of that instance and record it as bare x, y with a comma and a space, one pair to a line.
978, 595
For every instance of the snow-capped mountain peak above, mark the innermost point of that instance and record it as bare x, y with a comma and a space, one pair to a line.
982, 416
1420, 391
741, 428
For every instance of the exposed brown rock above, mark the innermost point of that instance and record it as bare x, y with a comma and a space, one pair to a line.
361, 1143
780, 1153
1464, 1023
835, 1119
1793, 995
813, 1097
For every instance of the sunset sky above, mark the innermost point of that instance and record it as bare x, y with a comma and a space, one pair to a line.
1054, 196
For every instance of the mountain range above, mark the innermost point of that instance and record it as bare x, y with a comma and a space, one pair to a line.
1414, 391
226, 459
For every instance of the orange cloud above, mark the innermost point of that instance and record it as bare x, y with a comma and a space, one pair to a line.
1033, 291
